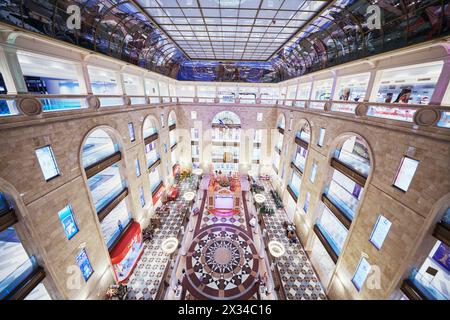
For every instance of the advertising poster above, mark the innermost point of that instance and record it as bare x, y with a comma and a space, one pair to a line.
68, 222
84, 264
442, 256
361, 273
380, 231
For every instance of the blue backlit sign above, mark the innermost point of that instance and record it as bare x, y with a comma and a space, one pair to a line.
68, 221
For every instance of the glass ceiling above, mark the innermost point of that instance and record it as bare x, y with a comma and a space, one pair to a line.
256, 41
241, 30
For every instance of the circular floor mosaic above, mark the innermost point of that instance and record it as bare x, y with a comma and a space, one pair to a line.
222, 263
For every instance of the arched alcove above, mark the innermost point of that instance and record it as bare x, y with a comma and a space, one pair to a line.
102, 162
226, 141
152, 149
298, 164
348, 172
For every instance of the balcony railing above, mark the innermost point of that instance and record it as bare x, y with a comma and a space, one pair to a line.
33, 104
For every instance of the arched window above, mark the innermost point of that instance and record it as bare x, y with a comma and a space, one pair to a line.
17, 268
226, 140
227, 118
101, 160
153, 157
302, 139
279, 139
350, 166
173, 140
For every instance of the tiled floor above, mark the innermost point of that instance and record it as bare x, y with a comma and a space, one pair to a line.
146, 278
222, 263
299, 279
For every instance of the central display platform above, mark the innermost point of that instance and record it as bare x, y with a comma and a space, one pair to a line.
222, 263
224, 194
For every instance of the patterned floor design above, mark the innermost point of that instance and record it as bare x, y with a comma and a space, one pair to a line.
146, 278
209, 219
299, 279
222, 263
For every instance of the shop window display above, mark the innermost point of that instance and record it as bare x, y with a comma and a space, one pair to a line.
304, 90
103, 81
352, 88
322, 89
125, 255
412, 84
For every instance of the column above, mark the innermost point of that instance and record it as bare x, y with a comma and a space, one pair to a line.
11, 71
333, 87
371, 90
83, 78
442, 84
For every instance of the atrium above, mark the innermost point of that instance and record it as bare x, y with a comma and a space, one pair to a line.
224, 150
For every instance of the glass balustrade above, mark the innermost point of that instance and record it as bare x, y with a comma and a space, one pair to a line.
55, 104
353, 161
115, 222
105, 186
8, 107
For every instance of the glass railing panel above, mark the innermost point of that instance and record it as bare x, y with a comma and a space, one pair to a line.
295, 189
96, 149
105, 186
155, 100
138, 100
317, 105
444, 122
342, 199
303, 135
186, 100
300, 104
353, 161
343, 107
54, 104
289, 103
333, 230
393, 113
299, 162
425, 286
111, 101
38, 293
329, 239
206, 100
115, 222
154, 184
166, 99
10, 282
152, 157
8, 107
149, 131
247, 101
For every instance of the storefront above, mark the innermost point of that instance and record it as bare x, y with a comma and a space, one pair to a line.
156, 195
126, 253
